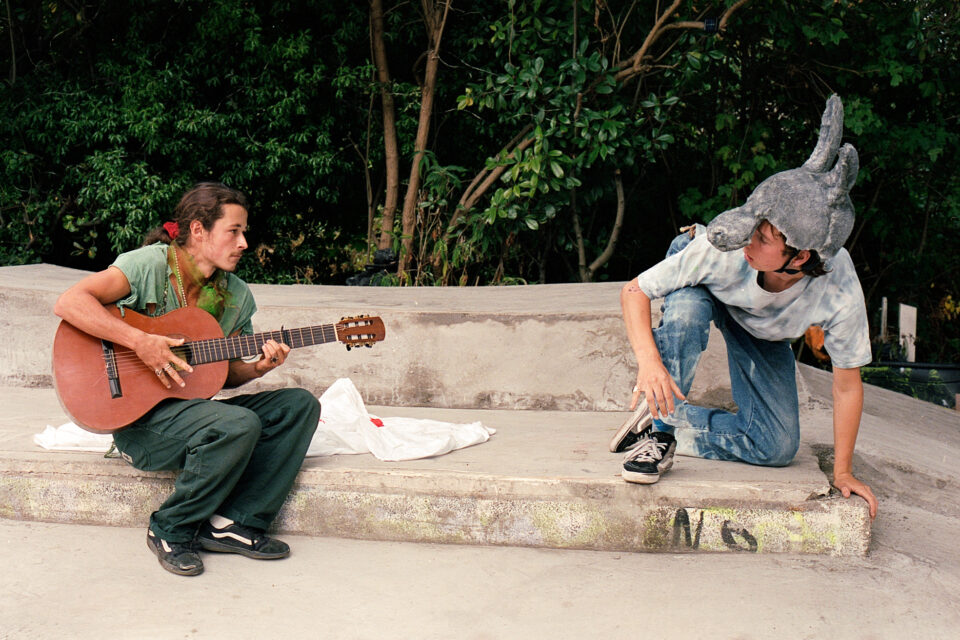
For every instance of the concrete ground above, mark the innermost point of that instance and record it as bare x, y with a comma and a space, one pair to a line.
86, 581
62, 581
73, 581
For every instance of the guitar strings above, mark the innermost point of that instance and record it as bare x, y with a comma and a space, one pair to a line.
126, 359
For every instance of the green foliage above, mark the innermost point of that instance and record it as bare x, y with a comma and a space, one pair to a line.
104, 142
112, 109
584, 123
923, 384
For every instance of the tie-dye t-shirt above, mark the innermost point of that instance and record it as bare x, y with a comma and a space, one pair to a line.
833, 301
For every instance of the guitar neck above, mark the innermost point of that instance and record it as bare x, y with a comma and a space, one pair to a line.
217, 349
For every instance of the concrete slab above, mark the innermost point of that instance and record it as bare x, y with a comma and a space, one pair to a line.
547, 366
554, 347
522, 488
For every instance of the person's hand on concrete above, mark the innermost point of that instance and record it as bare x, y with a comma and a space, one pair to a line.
847, 485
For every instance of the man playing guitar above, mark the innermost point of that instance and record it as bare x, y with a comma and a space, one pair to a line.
237, 457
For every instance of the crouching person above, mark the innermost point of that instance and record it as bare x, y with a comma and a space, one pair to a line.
792, 273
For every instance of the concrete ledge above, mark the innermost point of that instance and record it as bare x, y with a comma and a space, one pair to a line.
558, 346
516, 512
518, 489
548, 366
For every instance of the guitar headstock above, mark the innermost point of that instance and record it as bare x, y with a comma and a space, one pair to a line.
360, 331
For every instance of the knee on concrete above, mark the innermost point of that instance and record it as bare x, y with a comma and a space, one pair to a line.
780, 454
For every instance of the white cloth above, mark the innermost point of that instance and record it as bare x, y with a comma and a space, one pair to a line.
345, 428
70, 437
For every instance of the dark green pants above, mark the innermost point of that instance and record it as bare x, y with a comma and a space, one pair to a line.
237, 457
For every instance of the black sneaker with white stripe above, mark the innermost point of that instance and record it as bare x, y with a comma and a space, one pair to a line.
247, 541
632, 429
652, 457
180, 558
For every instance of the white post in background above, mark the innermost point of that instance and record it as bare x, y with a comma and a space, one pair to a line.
883, 319
908, 331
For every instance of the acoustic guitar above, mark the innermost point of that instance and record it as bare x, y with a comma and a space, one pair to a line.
104, 387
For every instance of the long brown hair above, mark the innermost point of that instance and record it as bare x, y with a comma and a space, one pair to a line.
204, 202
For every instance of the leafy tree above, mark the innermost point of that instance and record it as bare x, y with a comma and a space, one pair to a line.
535, 141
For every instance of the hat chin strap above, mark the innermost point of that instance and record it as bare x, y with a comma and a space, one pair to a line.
789, 272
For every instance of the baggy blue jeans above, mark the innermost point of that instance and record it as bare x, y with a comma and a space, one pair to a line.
766, 428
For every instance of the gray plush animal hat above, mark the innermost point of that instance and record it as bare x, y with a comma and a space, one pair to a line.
810, 206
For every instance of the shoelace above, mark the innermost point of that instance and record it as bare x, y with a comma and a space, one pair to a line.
649, 449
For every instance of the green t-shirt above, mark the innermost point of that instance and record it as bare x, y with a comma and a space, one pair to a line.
149, 274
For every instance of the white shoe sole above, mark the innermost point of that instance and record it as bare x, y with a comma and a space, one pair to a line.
639, 420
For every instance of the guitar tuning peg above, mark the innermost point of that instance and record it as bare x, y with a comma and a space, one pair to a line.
348, 347
368, 346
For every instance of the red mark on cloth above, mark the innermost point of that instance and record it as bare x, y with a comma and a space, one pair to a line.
377, 421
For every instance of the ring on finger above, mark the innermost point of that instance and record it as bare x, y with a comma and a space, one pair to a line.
274, 359
158, 372
636, 388
168, 367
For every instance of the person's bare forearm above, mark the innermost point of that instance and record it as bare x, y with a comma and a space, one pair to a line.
638, 320
273, 354
81, 306
653, 379
847, 410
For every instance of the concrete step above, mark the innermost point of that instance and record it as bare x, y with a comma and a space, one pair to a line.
544, 479
548, 366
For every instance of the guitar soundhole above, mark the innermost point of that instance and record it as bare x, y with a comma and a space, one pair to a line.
185, 353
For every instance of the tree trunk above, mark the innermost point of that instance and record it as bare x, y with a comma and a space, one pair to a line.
578, 236
13, 50
604, 257
435, 23
391, 150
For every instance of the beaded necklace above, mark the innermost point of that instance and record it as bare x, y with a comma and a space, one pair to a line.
176, 262
211, 298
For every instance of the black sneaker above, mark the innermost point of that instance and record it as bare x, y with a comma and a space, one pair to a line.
236, 538
650, 458
180, 558
632, 428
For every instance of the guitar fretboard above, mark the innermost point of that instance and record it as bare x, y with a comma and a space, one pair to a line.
217, 349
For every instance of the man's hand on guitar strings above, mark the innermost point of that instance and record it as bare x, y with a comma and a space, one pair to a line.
155, 351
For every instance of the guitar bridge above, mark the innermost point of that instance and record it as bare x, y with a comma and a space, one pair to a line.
113, 376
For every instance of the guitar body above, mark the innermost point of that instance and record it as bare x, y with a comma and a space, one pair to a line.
104, 399
104, 387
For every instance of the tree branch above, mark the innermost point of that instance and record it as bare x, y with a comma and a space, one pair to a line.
390, 144
633, 65
435, 27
